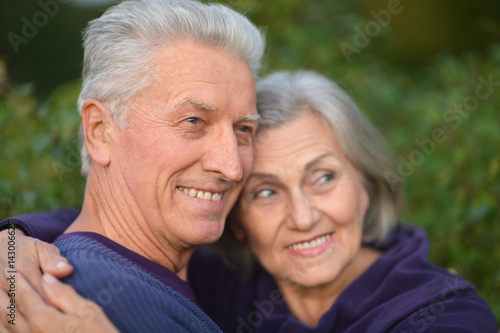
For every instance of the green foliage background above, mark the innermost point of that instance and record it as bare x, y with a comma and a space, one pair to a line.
410, 79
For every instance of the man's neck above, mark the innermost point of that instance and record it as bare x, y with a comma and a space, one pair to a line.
118, 219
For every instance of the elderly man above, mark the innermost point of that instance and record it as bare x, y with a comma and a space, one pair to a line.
168, 115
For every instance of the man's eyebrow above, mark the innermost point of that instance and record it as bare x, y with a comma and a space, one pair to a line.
210, 108
310, 164
250, 117
200, 105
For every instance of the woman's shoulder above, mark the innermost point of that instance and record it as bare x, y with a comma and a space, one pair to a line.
409, 291
404, 270
452, 312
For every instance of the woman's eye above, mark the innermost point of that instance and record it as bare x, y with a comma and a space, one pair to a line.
193, 120
263, 194
325, 178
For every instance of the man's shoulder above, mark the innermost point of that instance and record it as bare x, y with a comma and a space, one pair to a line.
83, 251
133, 299
103, 275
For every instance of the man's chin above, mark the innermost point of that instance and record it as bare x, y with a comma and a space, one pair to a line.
204, 233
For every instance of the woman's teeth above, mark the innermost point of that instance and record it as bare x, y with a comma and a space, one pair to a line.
311, 244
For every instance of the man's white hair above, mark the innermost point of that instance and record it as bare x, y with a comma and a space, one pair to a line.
120, 45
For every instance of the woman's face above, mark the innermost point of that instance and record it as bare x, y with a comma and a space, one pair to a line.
302, 207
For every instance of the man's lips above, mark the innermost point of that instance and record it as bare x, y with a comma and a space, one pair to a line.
201, 194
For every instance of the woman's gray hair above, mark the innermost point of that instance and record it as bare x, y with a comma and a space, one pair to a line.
284, 96
120, 45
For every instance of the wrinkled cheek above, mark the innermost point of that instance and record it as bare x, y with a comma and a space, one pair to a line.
261, 250
247, 159
337, 209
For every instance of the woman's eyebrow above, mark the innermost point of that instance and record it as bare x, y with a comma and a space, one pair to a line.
310, 164
263, 176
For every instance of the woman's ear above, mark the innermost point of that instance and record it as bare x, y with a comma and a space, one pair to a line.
97, 126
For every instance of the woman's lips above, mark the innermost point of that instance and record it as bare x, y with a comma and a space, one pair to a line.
311, 248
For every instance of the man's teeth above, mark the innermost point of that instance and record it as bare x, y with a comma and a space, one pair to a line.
201, 195
311, 244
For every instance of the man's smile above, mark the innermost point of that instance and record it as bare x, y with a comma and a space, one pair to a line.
205, 195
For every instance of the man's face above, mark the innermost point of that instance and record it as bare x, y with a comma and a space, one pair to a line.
187, 149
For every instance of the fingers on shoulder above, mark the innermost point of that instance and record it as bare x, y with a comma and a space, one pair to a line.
66, 299
51, 260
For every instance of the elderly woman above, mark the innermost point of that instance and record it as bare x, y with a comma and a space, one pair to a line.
313, 243
319, 215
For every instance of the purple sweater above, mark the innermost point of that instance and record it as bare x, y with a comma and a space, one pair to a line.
136, 294
401, 292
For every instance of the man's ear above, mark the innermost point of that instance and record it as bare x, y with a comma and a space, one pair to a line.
97, 127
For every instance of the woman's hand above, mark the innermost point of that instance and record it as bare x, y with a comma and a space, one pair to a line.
30, 257
67, 312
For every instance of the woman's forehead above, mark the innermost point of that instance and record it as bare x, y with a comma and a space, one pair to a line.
296, 143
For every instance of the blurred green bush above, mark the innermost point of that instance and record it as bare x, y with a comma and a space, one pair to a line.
440, 117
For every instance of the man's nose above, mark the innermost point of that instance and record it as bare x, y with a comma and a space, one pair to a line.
222, 156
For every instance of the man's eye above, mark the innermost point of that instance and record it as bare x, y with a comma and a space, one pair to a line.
263, 194
244, 135
193, 120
